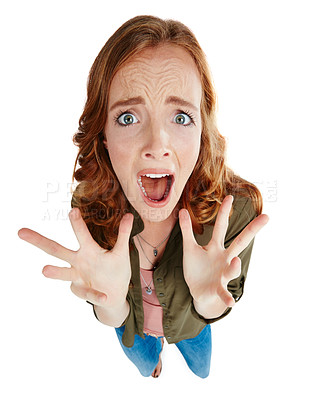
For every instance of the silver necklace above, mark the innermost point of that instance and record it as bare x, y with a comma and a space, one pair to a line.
148, 289
155, 251
144, 251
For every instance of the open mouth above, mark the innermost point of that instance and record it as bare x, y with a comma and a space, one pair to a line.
156, 187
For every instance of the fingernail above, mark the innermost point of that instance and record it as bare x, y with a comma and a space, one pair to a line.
74, 212
126, 216
184, 213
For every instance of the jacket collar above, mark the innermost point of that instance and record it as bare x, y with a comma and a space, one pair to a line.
138, 224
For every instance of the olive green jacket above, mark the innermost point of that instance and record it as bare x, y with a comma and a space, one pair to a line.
180, 319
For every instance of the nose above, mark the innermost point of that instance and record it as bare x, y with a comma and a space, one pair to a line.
156, 145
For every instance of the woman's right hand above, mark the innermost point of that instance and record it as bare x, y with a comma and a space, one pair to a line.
99, 276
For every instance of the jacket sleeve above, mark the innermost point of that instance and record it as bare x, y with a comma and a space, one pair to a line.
243, 214
93, 309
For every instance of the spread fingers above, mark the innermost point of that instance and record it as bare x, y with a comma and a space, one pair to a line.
80, 228
49, 246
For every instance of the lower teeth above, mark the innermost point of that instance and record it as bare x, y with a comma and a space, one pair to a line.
156, 201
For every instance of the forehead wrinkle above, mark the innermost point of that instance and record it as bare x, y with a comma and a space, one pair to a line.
153, 81
141, 65
172, 83
140, 69
168, 84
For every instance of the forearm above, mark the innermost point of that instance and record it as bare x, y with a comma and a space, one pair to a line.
213, 308
113, 316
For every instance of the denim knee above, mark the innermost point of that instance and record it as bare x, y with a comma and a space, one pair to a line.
144, 353
197, 352
204, 373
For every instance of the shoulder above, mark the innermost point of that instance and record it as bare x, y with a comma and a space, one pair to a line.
243, 206
243, 213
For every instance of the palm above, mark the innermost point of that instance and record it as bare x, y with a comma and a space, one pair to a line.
205, 278
96, 274
208, 269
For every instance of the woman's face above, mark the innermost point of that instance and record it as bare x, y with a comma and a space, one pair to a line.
153, 128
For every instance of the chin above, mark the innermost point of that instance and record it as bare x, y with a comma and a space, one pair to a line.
156, 215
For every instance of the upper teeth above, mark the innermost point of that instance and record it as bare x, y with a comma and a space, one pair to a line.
155, 175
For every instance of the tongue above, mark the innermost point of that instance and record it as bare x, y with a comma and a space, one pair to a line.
154, 187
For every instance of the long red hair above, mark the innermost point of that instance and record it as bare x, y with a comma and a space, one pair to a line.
99, 195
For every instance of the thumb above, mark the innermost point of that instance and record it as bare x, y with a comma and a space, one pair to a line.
125, 229
186, 227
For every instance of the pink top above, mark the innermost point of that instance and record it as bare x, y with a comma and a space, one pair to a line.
153, 312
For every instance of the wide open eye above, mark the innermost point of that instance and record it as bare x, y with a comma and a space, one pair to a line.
126, 119
183, 119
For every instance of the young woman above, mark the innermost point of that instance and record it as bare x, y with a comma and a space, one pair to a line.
165, 228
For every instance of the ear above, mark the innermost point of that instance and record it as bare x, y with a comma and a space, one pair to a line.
105, 143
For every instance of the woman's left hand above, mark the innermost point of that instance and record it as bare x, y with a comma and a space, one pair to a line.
208, 269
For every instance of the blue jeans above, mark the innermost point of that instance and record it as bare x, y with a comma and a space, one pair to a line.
145, 352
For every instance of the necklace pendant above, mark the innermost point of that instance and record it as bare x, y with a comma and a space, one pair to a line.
148, 290
155, 252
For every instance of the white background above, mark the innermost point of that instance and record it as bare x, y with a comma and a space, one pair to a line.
264, 60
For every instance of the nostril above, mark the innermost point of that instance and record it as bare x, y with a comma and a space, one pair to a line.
156, 155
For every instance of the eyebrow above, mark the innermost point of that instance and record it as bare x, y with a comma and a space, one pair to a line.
180, 102
129, 102
139, 100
